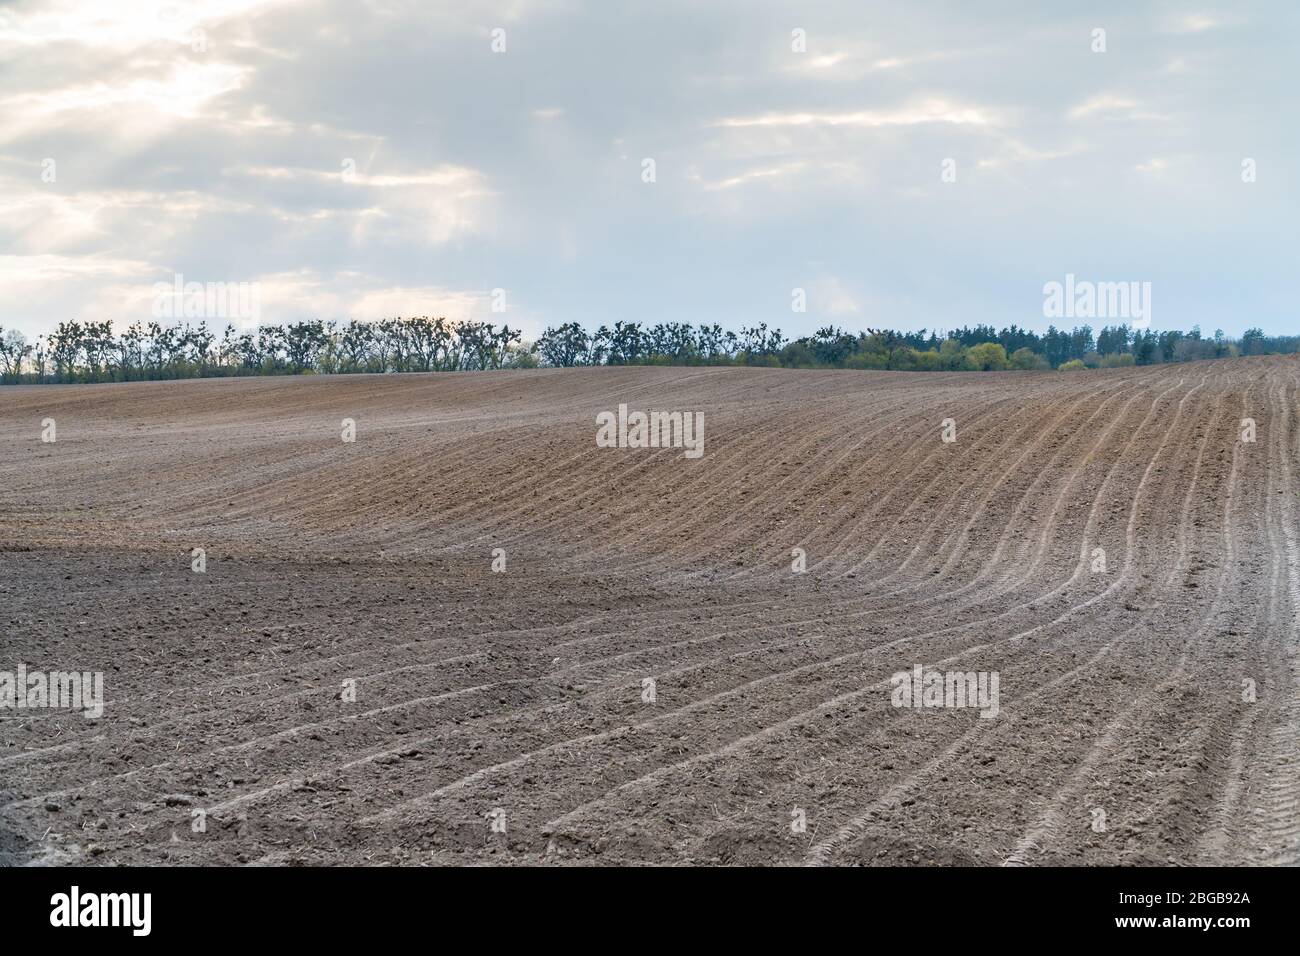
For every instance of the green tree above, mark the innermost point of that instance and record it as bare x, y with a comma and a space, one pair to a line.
986, 357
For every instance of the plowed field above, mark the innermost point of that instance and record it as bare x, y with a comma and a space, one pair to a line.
649, 679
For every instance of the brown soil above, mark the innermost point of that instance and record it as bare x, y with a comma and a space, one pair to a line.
1120, 691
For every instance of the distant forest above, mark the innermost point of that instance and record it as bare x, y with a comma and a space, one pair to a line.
92, 352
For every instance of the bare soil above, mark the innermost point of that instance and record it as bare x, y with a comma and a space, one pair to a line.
523, 692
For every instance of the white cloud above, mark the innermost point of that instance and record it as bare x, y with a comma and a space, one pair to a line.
1197, 23
926, 111
120, 26
522, 170
777, 173
181, 94
349, 295
1114, 106
828, 295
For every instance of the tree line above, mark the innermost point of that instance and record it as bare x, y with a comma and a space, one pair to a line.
969, 348
93, 352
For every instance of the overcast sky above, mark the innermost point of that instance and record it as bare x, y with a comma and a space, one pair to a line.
213, 139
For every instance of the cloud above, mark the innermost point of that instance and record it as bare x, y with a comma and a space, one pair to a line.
770, 173
349, 156
829, 296
1197, 23
927, 111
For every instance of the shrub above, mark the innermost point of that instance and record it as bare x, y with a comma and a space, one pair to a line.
1026, 360
1074, 365
986, 357
875, 360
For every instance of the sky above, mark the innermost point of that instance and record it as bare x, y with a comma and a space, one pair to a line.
905, 164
